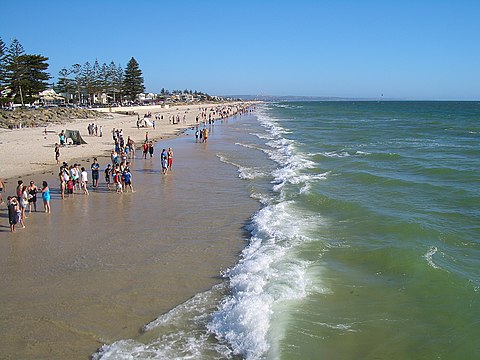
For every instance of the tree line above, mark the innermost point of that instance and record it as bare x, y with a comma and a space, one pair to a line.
22, 76
85, 84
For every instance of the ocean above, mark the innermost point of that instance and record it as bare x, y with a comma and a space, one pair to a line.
366, 244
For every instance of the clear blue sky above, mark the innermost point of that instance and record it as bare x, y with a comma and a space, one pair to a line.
402, 49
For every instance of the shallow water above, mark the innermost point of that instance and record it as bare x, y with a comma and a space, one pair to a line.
100, 267
366, 245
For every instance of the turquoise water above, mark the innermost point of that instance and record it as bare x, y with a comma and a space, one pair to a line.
367, 245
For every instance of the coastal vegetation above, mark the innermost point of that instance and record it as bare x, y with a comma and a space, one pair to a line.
22, 76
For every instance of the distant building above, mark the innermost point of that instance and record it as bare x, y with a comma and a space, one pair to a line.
49, 97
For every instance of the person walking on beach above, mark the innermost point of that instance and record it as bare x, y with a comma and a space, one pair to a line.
84, 179
95, 172
57, 153
170, 159
2, 189
46, 196
61, 137
32, 196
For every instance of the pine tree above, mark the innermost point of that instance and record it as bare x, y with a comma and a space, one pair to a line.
29, 76
133, 80
97, 80
118, 81
65, 85
76, 70
13, 70
3, 70
88, 81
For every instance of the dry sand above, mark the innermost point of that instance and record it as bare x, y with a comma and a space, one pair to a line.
27, 151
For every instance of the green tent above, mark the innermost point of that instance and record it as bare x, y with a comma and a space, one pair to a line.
75, 136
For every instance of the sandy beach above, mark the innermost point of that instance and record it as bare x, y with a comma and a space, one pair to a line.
99, 267
29, 150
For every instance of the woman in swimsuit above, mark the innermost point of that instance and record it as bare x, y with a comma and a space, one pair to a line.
170, 158
46, 196
32, 196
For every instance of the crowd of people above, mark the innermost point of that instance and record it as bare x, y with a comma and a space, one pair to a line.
24, 201
117, 174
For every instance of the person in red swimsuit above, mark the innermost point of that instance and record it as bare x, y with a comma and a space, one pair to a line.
170, 158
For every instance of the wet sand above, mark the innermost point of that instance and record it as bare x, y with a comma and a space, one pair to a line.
99, 267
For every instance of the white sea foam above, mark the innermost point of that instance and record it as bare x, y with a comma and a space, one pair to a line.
342, 154
268, 274
429, 257
244, 172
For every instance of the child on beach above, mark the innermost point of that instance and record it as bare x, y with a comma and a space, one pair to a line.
84, 179
70, 186
117, 181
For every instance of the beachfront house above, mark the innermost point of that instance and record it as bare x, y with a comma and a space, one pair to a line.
50, 98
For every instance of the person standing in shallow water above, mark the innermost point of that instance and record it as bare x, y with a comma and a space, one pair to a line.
163, 158
170, 159
32, 196
84, 180
95, 172
150, 149
12, 205
46, 196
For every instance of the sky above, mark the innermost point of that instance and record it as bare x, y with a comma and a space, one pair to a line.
417, 50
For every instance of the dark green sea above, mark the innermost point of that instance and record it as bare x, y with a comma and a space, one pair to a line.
366, 246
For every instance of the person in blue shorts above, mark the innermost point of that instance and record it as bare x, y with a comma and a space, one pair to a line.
127, 178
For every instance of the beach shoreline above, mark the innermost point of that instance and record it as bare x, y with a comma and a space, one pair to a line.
100, 267
30, 151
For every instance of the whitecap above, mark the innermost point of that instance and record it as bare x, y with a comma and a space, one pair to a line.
429, 257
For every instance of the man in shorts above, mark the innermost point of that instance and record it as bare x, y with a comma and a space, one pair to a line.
95, 170
127, 178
